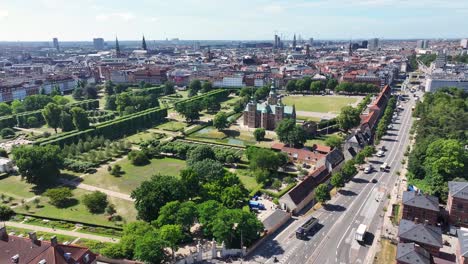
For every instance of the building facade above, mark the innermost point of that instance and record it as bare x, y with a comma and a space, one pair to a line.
457, 203
420, 207
267, 114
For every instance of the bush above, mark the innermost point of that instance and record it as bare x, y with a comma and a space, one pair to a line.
7, 133
138, 158
116, 170
96, 202
59, 197
5, 213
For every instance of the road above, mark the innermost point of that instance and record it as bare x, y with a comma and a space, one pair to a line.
361, 201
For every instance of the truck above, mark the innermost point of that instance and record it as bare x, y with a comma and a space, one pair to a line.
305, 228
360, 233
256, 205
384, 166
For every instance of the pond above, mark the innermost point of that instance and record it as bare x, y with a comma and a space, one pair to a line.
235, 141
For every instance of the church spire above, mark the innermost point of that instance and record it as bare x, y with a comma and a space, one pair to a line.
294, 42
143, 43
117, 47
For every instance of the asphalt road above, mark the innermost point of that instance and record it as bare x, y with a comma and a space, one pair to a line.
360, 201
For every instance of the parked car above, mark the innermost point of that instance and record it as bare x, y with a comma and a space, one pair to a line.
380, 153
368, 169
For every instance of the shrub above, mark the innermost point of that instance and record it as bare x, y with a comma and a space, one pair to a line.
138, 158
116, 170
5, 213
7, 133
59, 197
96, 202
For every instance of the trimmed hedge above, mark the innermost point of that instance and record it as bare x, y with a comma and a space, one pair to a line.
113, 129
90, 104
157, 90
219, 95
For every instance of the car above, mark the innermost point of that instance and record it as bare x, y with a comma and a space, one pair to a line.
368, 169
390, 126
380, 153
374, 181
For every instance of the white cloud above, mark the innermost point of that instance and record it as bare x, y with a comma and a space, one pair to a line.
3, 14
126, 16
273, 9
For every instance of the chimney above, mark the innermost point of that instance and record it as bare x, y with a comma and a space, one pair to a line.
53, 241
3, 233
33, 237
416, 220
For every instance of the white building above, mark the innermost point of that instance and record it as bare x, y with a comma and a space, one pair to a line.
464, 43
373, 44
6, 165
435, 82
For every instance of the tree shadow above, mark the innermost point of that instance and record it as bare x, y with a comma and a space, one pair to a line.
359, 180
391, 134
270, 247
69, 203
389, 140
375, 161
231, 133
347, 192
334, 208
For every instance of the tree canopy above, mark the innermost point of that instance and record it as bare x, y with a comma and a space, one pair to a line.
290, 133
348, 118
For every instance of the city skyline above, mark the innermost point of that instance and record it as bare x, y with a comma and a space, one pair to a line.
239, 20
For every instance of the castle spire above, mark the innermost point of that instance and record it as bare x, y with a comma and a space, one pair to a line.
143, 43
117, 47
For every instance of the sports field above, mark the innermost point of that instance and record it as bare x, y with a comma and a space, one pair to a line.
321, 104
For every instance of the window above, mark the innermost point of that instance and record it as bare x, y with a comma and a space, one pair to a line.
460, 207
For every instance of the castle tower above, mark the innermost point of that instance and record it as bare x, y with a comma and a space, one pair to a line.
273, 97
264, 117
250, 114
279, 112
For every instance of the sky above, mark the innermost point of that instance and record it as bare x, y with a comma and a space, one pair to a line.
78, 20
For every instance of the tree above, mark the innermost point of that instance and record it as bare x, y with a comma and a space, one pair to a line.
32, 121
38, 164
348, 118
191, 181
78, 93
80, 118
60, 100
5, 213
207, 212
151, 195
259, 134
332, 83
59, 197
322, 194
276, 184
96, 202
229, 224
337, 180
290, 133
206, 87
90, 92
334, 141
169, 88
195, 86
150, 249
55, 91
109, 88
36, 102
17, 107
349, 169
316, 87
172, 235
199, 153
7, 132
51, 115
234, 196
190, 110
291, 86
5, 109
264, 159
220, 121
208, 170
138, 158
66, 122
116, 170
177, 213
3, 153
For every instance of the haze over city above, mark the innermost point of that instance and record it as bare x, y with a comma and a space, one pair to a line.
39, 20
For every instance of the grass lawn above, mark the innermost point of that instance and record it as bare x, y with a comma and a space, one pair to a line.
134, 175
249, 182
172, 126
76, 212
13, 186
317, 103
308, 118
387, 253
142, 136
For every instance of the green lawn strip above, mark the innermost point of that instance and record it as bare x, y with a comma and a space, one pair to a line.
134, 175
46, 236
106, 232
173, 126
94, 246
77, 212
49, 223
142, 136
323, 104
308, 118
249, 182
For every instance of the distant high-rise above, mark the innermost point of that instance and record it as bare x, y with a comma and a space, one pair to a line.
311, 41
56, 44
422, 44
117, 47
364, 44
143, 44
275, 45
464, 43
98, 43
373, 44
294, 42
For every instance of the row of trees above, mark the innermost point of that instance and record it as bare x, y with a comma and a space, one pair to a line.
191, 108
386, 119
306, 84
264, 163
197, 86
438, 155
67, 119
357, 88
189, 151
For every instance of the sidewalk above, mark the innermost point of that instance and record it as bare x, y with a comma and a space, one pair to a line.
63, 232
94, 188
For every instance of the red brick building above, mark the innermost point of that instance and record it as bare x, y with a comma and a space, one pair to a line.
420, 206
411, 253
457, 203
461, 248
